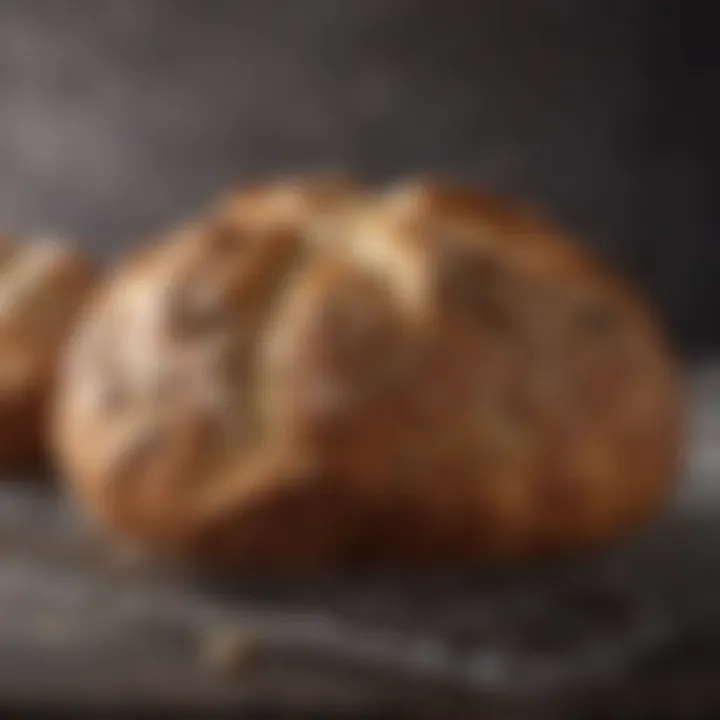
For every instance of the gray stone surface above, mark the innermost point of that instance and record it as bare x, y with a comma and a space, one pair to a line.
636, 626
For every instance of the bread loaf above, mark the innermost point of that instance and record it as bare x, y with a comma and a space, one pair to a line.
311, 375
42, 284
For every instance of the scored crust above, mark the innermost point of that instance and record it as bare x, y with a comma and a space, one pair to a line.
42, 285
313, 375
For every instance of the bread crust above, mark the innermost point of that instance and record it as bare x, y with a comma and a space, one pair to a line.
42, 285
318, 376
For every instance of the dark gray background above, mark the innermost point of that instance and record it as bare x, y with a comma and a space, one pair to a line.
118, 117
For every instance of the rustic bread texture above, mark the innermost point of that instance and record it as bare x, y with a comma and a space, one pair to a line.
42, 285
311, 375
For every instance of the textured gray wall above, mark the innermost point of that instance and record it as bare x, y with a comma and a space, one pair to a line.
117, 117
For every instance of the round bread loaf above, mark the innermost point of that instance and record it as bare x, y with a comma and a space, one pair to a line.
42, 285
313, 376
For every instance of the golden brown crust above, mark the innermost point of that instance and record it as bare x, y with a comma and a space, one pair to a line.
42, 285
314, 376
